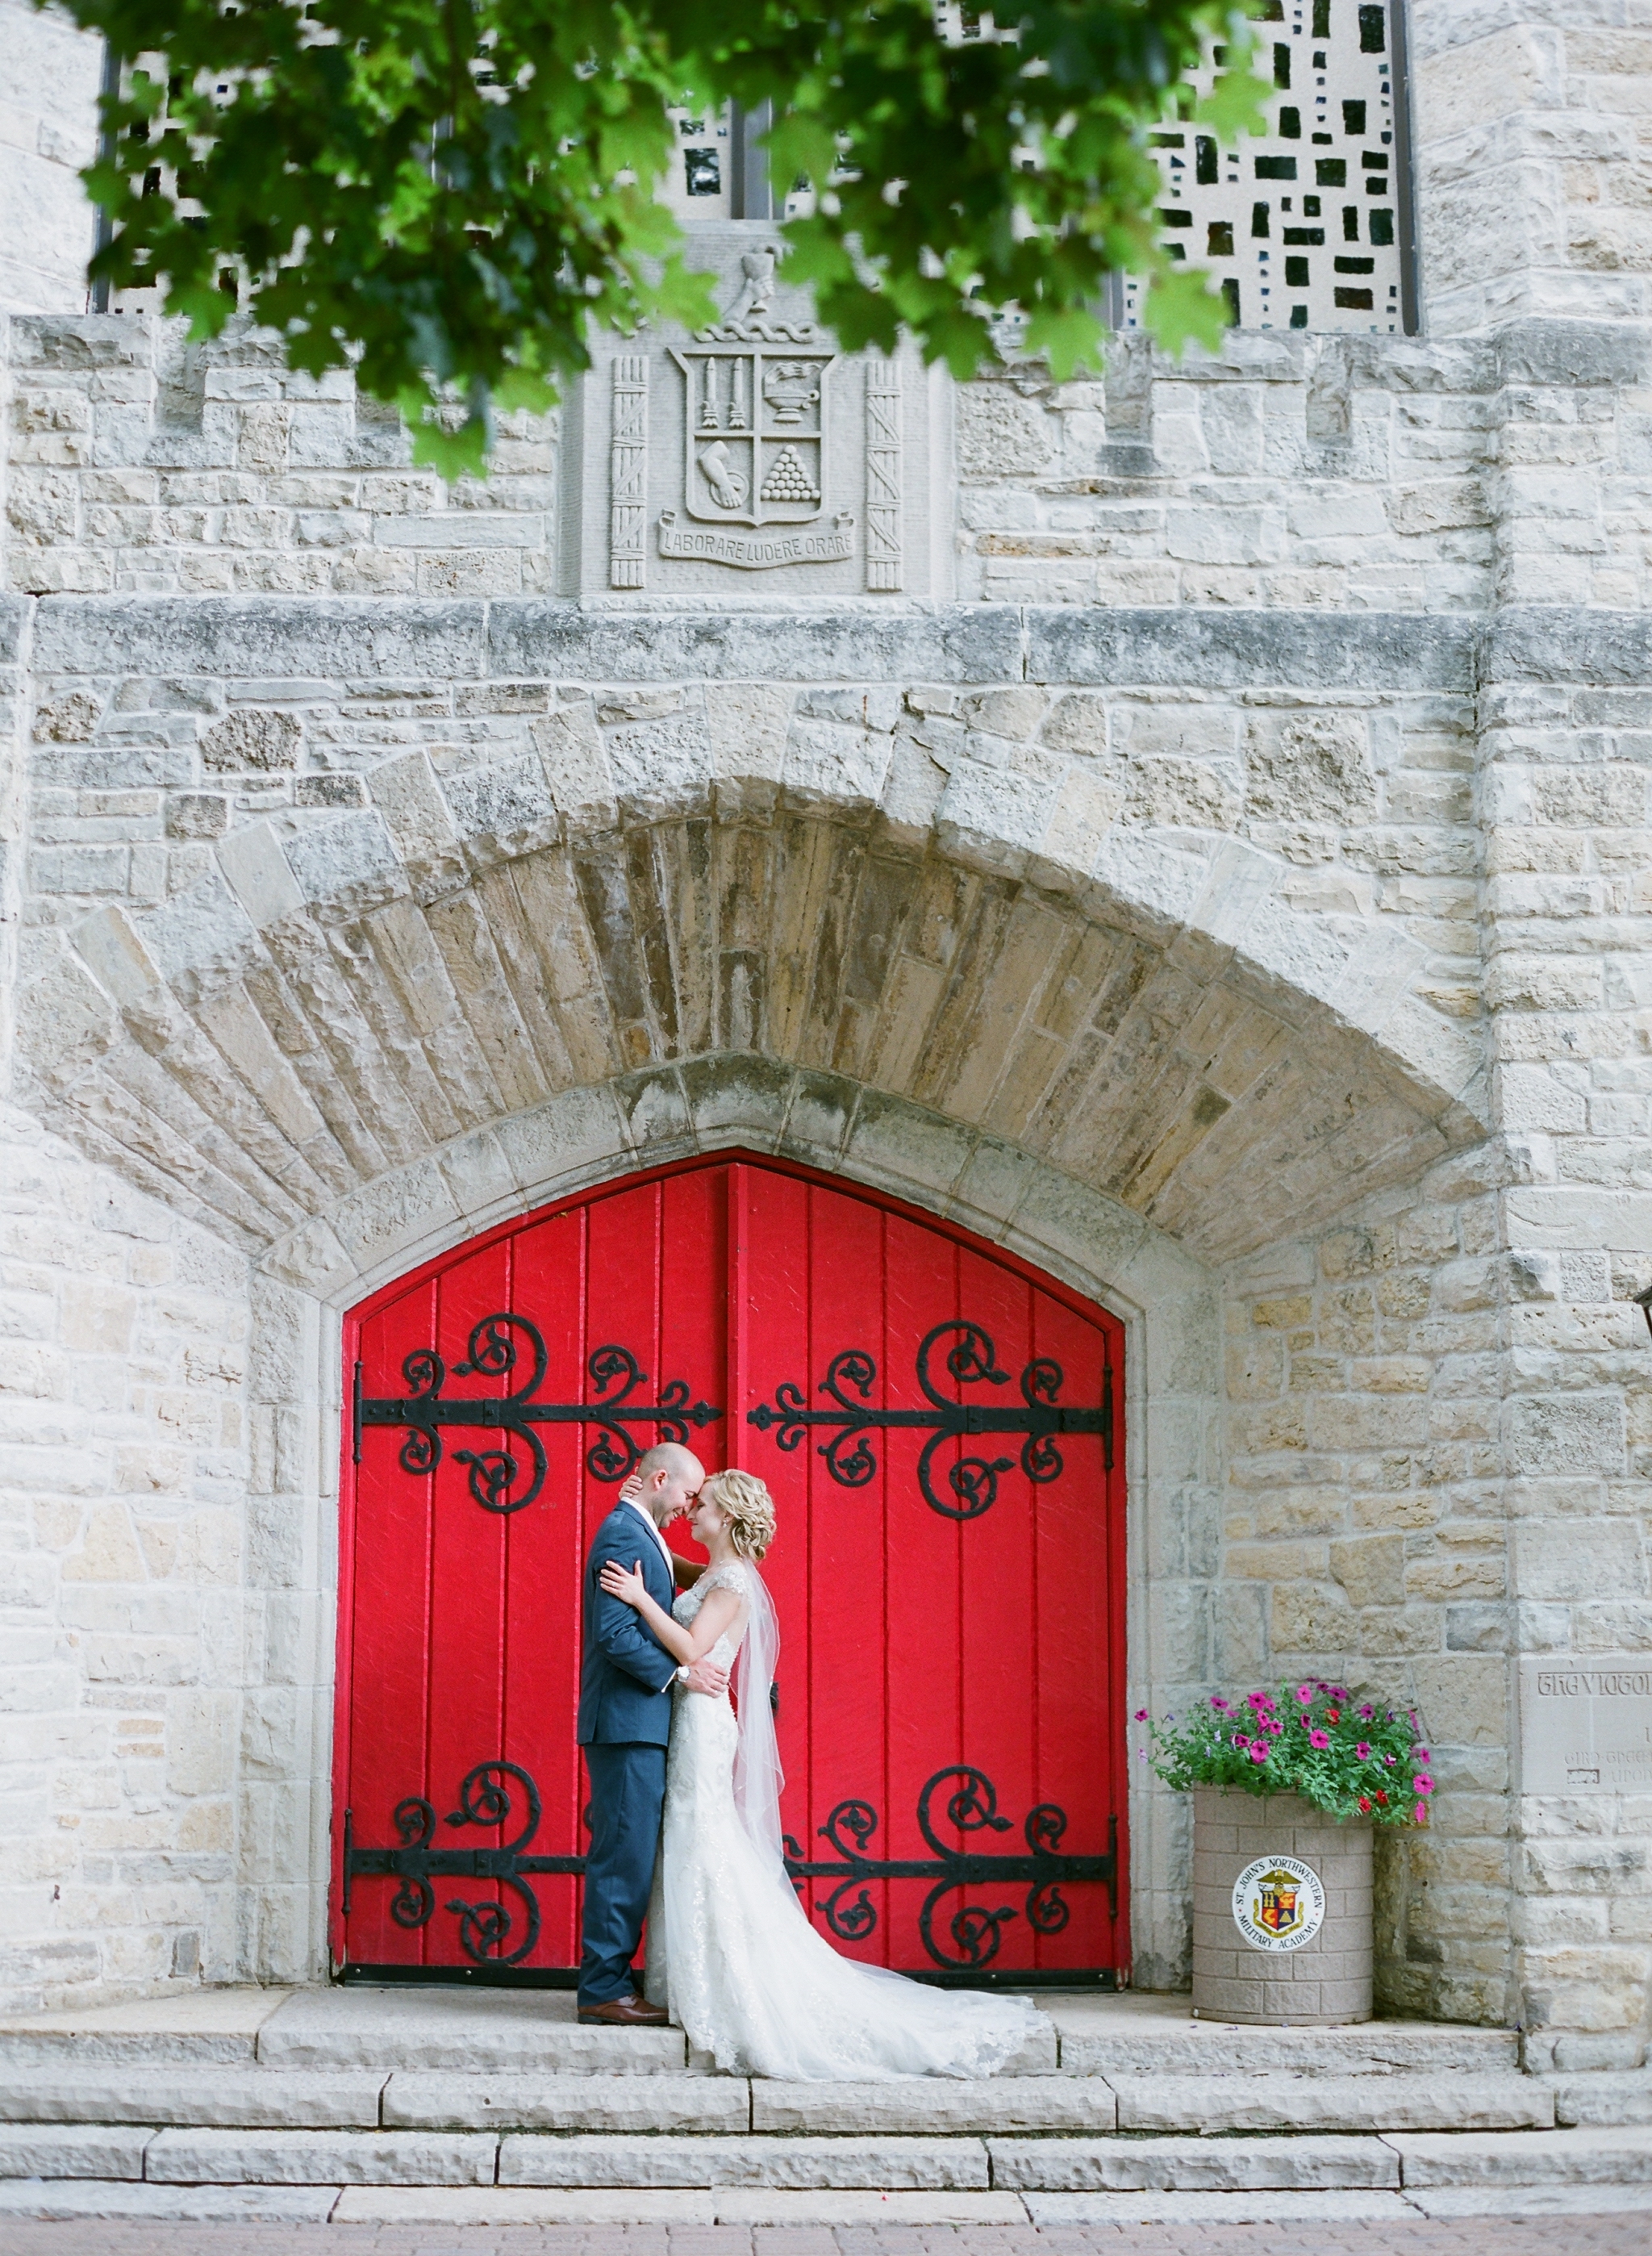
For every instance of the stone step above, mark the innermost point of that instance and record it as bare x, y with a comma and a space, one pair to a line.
1191, 2164
442, 2029
686, 2205
1570, 2157
935, 2106
1284, 2205
1604, 2097
881, 2165
194, 2094
1143, 2035
1332, 2103
657, 2161
321, 2158
197, 2027
534, 2031
568, 2103
69, 2198
72, 2150
1449, 2202
462, 2205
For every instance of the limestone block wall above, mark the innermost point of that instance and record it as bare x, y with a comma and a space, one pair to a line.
1290, 471
1532, 140
123, 1376
49, 73
351, 929
1238, 903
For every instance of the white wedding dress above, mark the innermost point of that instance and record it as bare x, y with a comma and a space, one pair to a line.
731, 1953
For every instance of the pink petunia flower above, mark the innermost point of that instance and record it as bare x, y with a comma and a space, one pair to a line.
1258, 1751
1141, 1715
1390, 1760
1367, 1713
1362, 1752
1318, 1738
1304, 1693
1218, 1703
1419, 1815
1419, 1754
1423, 1784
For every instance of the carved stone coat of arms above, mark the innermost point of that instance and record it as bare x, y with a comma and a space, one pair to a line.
755, 438
755, 450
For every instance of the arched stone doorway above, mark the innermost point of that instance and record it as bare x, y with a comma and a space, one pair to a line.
941, 1425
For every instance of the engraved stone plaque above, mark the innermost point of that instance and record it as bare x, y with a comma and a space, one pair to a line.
755, 462
1585, 1723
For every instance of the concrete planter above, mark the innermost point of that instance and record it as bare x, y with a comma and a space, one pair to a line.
1302, 1956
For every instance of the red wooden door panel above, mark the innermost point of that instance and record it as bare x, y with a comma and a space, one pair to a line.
936, 1421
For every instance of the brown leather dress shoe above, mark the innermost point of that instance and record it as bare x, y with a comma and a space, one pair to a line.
632, 2012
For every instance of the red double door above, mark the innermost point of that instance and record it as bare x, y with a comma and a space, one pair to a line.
939, 1426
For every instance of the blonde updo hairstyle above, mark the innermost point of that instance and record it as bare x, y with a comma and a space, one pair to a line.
747, 1505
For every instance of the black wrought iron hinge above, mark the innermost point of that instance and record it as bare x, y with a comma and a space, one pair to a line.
487, 1798
971, 1359
614, 1373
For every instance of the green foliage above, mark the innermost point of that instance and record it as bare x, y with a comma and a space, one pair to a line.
448, 193
1342, 1751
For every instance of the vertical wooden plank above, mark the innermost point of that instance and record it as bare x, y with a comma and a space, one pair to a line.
775, 1262
389, 1694
920, 1571
1069, 1677
996, 1644
467, 1594
544, 1564
850, 1657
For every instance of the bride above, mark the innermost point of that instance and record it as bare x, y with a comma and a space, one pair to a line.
731, 1953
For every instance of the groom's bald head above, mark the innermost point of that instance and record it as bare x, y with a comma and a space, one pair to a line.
671, 1478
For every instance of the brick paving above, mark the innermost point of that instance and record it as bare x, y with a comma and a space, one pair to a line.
1556, 2236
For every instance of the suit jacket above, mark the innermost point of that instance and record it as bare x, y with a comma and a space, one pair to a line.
625, 1673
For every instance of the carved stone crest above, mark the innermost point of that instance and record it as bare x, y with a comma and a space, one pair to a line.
757, 438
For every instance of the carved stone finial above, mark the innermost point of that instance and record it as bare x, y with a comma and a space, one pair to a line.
757, 287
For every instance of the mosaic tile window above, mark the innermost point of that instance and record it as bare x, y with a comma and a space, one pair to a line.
1304, 225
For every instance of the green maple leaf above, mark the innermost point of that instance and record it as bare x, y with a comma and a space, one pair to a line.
1181, 308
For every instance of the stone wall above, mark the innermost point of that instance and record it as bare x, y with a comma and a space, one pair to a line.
1532, 137
1237, 902
1293, 470
121, 1535
48, 130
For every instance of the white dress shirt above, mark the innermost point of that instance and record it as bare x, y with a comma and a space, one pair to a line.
659, 1537
646, 1518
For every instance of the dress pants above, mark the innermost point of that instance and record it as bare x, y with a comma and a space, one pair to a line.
628, 1794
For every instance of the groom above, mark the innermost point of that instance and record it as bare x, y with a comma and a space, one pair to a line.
625, 1719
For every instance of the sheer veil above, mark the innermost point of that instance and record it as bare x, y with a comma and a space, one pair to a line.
758, 1777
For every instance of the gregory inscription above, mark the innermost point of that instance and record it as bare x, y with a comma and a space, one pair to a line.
1585, 1723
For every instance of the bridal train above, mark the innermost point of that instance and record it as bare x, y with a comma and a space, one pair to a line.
731, 1952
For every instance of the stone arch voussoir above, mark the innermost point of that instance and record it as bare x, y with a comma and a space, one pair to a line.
350, 1006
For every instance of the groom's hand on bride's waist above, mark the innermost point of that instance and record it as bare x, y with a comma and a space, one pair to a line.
705, 1676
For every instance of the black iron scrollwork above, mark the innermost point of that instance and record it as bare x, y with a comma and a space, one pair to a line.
971, 1359
494, 1352
488, 1797
971, 1806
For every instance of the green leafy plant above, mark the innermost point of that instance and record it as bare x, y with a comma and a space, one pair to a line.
446, 194
1342, 1751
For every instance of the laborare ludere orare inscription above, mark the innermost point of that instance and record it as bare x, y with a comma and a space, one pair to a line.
754, 459
1585, 1723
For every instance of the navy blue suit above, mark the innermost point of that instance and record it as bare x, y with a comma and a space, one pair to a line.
625, 1719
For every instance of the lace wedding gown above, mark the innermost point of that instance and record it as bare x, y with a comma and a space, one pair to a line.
731, 1952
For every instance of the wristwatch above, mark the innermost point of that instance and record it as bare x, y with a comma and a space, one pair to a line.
682, 1674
